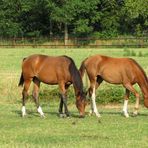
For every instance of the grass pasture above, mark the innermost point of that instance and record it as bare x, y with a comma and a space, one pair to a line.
113, 130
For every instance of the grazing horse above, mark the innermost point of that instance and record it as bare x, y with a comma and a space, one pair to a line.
125, 71
59, 70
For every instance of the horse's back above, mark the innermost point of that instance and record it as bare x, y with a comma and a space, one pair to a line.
40, 61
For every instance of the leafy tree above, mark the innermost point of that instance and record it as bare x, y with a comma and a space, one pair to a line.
87, 16
78, 15
80, 18
34, 17
135, 14
9, 13
110, 17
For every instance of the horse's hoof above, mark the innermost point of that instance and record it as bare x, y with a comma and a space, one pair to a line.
81, 116
90, 114
67, 115
99, 116
126, 115
134, 114
24, 115
43, 116
62, 115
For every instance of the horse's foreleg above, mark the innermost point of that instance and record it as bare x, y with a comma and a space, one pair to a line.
36, 96
25, 95
131, 88
61, 101
125, 108
63, 90
135, 113
65, 104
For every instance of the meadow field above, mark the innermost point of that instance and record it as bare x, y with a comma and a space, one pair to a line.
112, 130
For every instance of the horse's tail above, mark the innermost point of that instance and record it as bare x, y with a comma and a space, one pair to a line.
82, 68
21, 82
83, 73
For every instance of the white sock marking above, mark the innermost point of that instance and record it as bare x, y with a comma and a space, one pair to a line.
125, 108
23, 111
94, 106
40, 111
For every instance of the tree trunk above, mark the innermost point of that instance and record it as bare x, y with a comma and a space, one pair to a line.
65, 34
51, 33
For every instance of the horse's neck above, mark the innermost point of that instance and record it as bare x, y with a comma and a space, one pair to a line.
78, 88
78, 85
78, 92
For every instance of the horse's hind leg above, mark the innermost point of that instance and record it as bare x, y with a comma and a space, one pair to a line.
36, 94
92, 94
25, 95
131, 88
61, 106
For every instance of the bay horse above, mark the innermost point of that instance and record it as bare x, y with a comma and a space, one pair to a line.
125, 71
60, 70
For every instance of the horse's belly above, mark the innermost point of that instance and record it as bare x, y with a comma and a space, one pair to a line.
112, 78
113, 81
48, 79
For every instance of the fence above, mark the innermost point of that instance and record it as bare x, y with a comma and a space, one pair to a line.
75, 42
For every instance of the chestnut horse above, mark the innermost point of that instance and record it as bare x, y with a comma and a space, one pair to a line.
59, 70
125, 71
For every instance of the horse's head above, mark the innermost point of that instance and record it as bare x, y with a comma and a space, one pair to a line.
146, 102
81, 103
145, 95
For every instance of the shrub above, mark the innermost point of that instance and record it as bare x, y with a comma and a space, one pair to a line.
140, 54
128, 52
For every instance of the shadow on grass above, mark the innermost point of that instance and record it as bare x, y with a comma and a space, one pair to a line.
31, 113
36, 114
120, 113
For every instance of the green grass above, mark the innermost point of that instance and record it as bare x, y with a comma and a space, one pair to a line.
113, 131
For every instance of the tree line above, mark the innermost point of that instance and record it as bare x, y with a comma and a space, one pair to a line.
73, 18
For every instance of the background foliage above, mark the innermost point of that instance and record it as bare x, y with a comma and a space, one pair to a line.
80, 18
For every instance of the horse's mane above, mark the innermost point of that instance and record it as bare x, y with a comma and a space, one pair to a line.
76, 78
145, 76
